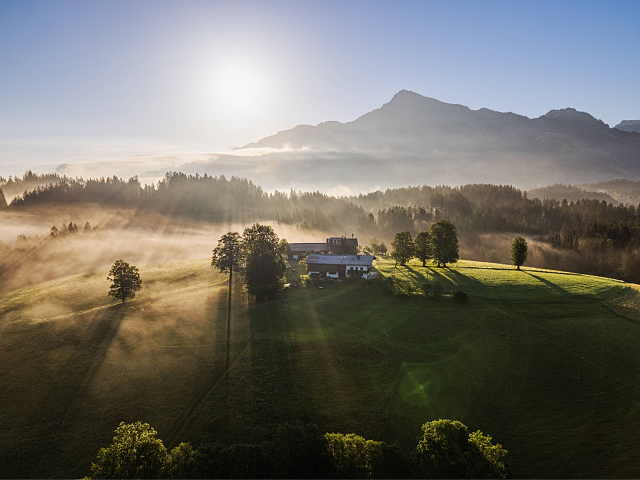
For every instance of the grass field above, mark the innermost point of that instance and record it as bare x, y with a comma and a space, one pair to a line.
545, 362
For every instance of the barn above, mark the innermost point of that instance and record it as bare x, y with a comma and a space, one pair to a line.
296, 250
339, 266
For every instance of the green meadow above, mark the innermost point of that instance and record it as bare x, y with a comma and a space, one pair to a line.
545, 362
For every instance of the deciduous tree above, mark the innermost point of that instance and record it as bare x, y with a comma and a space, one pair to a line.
423, 247
125, 280
227, 256
447, 450
265, 260
135, 452
444, 239
402, 248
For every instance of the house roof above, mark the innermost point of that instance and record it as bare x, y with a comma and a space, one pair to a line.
317, 259
308, 247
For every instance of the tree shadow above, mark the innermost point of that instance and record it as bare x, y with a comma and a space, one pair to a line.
548, 283
449, 278
227, 311
76, 377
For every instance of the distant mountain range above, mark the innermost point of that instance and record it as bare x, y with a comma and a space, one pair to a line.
629, 126
419, 140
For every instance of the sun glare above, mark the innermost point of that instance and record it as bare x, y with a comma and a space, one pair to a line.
238, 87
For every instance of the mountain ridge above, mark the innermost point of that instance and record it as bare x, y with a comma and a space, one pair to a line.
416, 139
629, 126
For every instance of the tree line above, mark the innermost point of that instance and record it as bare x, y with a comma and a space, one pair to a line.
475, 207
439, 243
588, 236
446, 449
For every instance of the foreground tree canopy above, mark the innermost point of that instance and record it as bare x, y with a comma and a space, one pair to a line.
125, 280
298, 450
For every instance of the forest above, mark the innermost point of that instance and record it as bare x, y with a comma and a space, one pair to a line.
585, 236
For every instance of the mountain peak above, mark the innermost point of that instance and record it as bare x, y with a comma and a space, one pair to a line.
570, 114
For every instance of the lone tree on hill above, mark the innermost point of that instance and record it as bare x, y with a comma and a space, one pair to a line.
265, 260
125, 280
519, 251
402, 247
444, 239
423, 247
228, 254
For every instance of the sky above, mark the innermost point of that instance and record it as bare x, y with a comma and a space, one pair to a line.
104, 87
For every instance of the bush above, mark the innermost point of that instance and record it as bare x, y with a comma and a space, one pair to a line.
459, 296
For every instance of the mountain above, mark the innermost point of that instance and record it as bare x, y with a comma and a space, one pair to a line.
629, 126
419, 140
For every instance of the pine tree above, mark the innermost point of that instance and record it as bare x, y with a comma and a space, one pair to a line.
519, 251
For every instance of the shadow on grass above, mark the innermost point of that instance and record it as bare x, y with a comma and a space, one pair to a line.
75, 379
548, 283
225, 312
449, 278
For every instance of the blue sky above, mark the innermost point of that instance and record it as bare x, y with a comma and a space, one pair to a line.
114, 82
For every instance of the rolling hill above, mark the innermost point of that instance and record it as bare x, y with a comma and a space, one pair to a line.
419, 140
544, 361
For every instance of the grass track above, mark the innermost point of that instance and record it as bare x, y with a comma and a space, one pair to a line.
546, 362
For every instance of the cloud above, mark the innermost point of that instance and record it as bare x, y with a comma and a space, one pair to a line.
64, 168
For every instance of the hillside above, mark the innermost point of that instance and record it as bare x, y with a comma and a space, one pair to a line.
624, 191
428, 141
537, 359
571, 193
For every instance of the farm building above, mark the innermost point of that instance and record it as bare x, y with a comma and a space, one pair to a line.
342, 245
297, 249
339, 266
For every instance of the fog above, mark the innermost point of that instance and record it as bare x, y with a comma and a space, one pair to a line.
137, 239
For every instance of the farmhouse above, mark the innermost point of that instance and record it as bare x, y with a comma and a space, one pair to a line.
339, 266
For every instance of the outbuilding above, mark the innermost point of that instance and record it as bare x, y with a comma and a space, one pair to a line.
296, 250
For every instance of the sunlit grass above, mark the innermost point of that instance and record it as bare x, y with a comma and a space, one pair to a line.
538, 359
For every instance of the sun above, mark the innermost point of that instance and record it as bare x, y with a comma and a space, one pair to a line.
238, 87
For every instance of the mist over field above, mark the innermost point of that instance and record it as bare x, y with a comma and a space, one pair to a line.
141, 239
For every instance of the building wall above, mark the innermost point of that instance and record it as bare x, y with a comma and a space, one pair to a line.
338, 271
